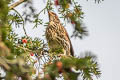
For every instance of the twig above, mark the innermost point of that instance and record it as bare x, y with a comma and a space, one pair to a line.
16, 4
25, 49
46, 7
2, 78
22, 20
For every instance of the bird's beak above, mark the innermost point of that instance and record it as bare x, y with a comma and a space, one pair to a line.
49, 12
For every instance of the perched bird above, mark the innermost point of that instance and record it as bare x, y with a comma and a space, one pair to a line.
57, 36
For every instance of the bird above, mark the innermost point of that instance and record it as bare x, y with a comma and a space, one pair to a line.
57, 36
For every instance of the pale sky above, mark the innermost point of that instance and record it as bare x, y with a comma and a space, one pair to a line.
102, 21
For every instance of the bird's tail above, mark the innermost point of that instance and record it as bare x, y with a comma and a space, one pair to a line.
71, 49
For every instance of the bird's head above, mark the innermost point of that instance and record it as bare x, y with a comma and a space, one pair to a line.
53, 17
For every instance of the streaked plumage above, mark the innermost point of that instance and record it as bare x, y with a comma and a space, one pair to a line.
57, 36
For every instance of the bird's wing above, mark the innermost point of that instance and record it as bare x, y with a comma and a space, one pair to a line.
66, 37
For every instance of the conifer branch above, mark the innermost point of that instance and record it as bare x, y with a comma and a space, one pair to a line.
22, 21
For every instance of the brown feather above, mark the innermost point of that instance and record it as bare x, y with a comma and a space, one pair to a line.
71, 48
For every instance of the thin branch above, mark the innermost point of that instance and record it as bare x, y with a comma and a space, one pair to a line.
2, 78
46, 7
25, 49
16, 4
23, 22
